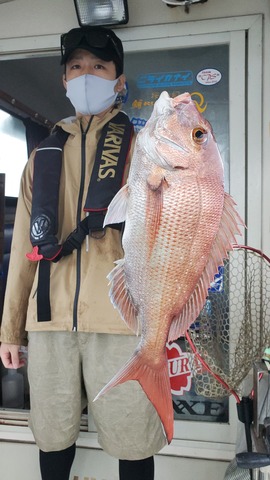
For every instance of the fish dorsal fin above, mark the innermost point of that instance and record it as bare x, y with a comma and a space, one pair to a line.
190, 311
222, 244
117, 209
120, 296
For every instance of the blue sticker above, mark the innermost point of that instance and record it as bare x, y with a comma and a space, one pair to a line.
165, 79
138, 123
218, 284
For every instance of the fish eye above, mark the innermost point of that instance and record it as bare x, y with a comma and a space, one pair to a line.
199, 135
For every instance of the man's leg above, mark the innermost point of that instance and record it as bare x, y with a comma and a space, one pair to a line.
54, 373
56, 465
136, 469
127, 423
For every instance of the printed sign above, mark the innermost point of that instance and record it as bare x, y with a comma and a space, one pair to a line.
179, 369
165, 79
208, 76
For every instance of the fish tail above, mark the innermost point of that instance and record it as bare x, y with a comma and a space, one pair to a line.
154, 381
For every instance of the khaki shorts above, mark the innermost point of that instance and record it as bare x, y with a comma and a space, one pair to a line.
65, 369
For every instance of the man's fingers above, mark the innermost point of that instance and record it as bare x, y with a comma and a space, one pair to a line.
10, 356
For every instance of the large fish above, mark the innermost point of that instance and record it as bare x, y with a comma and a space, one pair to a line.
180, 224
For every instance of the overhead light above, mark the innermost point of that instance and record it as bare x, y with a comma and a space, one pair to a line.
101, 12
183, 3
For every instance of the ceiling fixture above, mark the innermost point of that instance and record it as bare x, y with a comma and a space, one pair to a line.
101, 12
183, 3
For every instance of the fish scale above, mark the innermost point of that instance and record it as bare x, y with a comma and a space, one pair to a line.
179, 226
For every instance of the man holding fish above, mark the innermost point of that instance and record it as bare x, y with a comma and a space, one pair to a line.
57, 297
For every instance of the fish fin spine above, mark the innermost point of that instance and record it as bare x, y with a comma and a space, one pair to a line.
120, 296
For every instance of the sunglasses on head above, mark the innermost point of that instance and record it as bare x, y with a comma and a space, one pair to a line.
94, 39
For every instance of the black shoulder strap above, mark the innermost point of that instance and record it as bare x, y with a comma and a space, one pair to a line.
46, 181
109, 168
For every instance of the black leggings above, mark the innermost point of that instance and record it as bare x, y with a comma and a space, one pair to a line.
136, 469
57, 466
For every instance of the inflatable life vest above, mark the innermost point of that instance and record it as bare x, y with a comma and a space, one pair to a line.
113, 144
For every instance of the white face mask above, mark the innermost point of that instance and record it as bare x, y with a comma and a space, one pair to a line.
91, 95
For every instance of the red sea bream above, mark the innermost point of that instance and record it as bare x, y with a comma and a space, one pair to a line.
179, 226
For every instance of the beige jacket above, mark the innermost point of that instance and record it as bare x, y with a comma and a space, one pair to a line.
95, 312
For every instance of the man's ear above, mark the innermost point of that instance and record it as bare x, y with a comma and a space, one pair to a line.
64, 81
120, 83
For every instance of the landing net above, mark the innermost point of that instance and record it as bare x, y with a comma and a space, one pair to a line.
233, 329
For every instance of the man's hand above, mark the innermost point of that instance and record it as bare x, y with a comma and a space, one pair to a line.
11, 356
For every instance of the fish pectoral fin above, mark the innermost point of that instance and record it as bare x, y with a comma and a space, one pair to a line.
154, 381
121, 298
117, 209
154, 207
156, 178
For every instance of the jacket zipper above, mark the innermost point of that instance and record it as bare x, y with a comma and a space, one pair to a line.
78, 219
